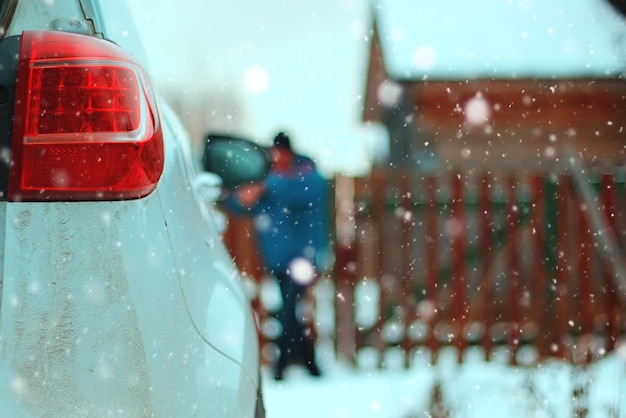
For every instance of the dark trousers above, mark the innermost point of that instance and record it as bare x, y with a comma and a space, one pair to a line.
294, 343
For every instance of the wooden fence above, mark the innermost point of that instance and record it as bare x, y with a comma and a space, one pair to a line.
530, 265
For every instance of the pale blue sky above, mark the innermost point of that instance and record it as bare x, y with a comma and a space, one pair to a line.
309, 59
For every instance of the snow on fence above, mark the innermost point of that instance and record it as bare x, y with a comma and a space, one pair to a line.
527, 266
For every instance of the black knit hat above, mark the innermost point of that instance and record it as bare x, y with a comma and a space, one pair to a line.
281, 140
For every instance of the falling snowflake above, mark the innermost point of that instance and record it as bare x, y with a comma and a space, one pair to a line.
549, 152
256, 79
477, 110
389, 93
302, 271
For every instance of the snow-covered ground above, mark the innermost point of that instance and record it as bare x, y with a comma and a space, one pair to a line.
474, 388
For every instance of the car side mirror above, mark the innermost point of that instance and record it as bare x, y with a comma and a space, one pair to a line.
235, 159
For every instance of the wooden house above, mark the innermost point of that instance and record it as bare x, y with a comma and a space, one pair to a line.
498, 85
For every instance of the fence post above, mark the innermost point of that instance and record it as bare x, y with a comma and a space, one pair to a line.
486, 248
584, 300
513, 276
379, 184
611, 298
408, 299
431, 265
345, 268
561, 275
539, 268
459, 250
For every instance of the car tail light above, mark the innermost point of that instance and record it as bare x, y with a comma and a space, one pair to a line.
86, 124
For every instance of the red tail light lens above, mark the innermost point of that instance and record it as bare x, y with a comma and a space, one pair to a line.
86, 124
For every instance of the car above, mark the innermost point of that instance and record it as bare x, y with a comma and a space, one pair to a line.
117, 294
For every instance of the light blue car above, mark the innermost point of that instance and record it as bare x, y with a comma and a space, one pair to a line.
117, 295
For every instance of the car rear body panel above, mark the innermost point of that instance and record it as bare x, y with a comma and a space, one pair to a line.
94, 317
215, 305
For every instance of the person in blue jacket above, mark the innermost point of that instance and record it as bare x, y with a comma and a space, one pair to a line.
290, 212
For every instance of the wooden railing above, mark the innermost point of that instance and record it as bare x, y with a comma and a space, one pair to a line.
526, 265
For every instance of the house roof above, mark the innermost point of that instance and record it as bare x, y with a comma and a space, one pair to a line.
469, 39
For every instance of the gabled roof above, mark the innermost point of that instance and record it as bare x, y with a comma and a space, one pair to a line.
469, 39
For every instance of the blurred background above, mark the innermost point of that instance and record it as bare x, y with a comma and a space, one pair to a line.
258, 67
477, 154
